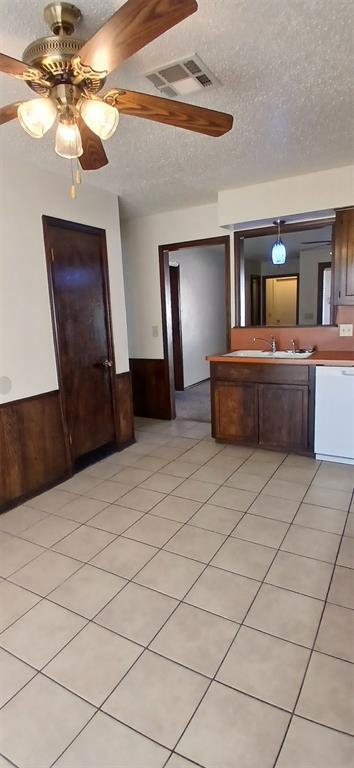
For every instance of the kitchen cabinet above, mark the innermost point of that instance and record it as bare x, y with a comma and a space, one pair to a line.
267, 405
236, 411
344, 257
283, 416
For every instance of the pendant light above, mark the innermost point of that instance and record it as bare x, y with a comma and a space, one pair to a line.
278, 250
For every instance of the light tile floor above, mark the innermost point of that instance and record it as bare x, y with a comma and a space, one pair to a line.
181, 603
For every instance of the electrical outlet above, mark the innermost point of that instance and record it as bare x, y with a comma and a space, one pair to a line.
346, 329
155, 331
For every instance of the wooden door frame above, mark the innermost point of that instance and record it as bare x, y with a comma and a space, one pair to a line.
244, 234
264, 296
51, 221
258, 279
164, 253
180, 361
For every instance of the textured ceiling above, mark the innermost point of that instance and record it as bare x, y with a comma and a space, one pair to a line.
286, 74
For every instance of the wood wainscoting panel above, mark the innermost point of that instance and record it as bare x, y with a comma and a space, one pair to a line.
150, 382
33, 449
124, 410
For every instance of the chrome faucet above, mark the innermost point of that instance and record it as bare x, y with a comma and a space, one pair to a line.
271, 341
293, 345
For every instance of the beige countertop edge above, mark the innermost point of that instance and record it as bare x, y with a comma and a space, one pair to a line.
318, 358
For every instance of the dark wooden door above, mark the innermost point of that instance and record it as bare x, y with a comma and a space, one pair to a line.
77, 264
236, 412
283, 416
255, 287
176, 328
344, 257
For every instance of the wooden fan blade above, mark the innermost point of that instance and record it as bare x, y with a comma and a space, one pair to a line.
132, 27
94, 156
19, 69
171, 112
9, 112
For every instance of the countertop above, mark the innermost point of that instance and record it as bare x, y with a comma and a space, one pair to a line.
318, 358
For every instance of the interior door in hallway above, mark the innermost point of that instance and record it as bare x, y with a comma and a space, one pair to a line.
78, 277
176, 328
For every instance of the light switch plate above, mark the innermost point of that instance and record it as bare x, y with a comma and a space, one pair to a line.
346, 329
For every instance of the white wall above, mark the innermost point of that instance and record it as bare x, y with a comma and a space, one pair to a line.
309, 261
26, 337
291, 266
292, 198
141, 238
202, 303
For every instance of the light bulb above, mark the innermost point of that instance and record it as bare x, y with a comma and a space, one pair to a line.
102, 118
68, 141
279, 252
37, 116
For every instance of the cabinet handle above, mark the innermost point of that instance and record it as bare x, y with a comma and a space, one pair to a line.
347, 373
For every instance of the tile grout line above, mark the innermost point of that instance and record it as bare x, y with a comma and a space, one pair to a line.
312, 650
131, 579
168, 618
213, 679
243, 624
85, 625
176, 554
240, 625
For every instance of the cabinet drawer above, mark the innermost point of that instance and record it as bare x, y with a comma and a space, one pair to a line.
261, 373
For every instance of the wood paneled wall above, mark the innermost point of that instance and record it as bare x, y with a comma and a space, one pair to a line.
124, 410
33, 452
33, 446
150, 382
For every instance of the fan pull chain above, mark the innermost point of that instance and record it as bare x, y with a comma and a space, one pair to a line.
78, 178
73, 192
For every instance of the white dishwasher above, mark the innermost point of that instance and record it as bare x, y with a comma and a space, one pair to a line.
334, 414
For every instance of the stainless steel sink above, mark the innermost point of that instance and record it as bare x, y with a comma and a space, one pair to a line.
290, 354
282, 355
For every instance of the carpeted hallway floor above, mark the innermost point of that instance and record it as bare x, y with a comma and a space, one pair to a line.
194, 402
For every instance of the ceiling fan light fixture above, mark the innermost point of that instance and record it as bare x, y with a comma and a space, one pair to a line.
102, 118
278, 249
37, 116
68, 140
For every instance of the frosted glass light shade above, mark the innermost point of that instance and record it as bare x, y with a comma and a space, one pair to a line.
68, 141
279, 252
102, 118
37, 116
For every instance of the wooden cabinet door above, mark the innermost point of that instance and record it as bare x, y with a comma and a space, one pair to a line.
283, 416
236, 412
344, 257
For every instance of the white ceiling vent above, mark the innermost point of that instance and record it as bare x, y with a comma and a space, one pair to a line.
180, 78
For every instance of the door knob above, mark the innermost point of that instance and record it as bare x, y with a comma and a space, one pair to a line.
107, 364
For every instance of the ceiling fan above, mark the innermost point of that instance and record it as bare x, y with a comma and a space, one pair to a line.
67, 75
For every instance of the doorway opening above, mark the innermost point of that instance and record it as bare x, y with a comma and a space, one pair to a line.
324, 293
195, 291
281, 300
80, 305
